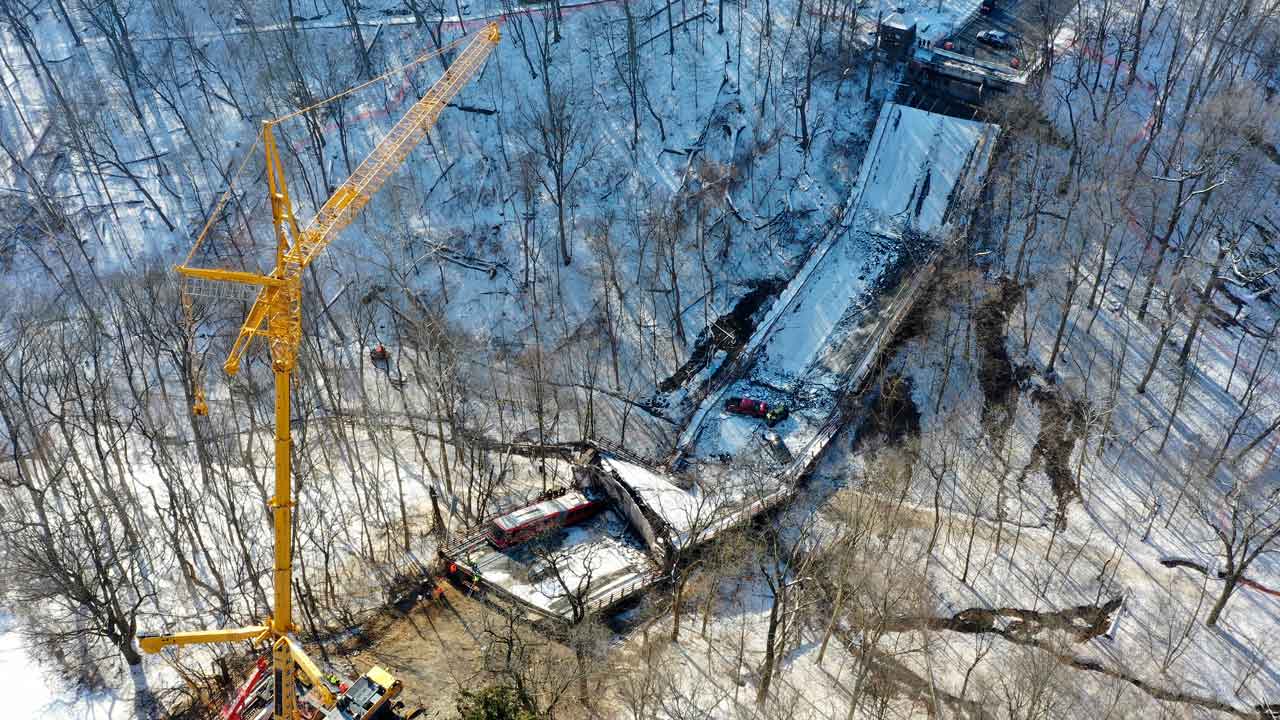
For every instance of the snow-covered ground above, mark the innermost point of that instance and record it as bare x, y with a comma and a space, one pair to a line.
34, 690
978, 524
26, 688
472, 239
917, 165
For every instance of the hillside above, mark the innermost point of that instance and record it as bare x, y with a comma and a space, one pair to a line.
1058, 495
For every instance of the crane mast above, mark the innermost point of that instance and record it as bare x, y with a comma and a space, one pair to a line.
276, 315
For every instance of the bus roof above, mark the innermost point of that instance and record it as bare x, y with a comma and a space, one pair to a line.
537, 511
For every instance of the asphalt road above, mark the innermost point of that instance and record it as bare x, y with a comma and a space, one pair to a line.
1026, 21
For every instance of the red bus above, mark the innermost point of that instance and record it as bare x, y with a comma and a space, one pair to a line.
528, 522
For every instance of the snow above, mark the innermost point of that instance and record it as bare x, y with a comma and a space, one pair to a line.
802, 353
799, 337
24, 687
935, 20
594, 559
679, 508
32, 691
916, 160
427, 213
710, 108
1102, 552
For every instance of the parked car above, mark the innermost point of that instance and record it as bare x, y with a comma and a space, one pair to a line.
996, 38
772, 414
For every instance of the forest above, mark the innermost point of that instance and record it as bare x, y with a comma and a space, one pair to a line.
1061, 496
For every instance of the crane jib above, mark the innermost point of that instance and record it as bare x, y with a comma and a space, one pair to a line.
349, 199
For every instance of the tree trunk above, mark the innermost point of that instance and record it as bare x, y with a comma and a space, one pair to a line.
677, 603
766, 672
1155, 355
1228, 588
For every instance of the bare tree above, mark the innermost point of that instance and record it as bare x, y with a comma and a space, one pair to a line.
560, 135
524, 661
1246, 526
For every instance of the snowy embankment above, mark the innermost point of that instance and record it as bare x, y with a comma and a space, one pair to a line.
1125, 472
1029, 512
32, 691
456, 265
25, 687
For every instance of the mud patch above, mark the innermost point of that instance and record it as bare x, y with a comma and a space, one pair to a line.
728, 333
435, 648
996, 373
1082, 622
1062, 423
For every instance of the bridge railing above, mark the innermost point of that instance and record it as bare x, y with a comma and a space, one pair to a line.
624, 591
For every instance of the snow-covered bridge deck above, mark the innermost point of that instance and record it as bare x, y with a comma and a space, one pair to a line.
595, 563
829, 324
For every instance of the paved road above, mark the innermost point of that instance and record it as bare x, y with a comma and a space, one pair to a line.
1027, 21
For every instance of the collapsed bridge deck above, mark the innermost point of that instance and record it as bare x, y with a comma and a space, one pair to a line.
816, 346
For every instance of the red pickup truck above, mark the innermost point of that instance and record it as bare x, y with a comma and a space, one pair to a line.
772, 414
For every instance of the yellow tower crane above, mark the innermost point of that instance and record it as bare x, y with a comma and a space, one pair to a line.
276, 315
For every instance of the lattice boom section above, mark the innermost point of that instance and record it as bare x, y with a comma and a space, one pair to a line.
355, 193
224, 291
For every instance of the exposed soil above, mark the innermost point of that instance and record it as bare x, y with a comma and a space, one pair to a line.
996, 373
1082, 622
434, 648
432, 645
893, 414
728, 333
1061, 425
